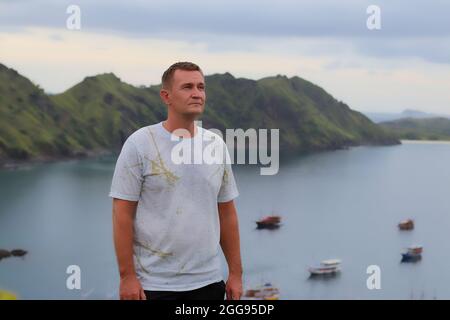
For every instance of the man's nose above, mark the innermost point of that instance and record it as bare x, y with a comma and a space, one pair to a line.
196, 93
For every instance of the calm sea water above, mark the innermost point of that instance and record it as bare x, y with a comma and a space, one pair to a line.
342, 204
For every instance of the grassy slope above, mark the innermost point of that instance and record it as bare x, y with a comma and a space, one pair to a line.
308, 117
28, 118
105, 111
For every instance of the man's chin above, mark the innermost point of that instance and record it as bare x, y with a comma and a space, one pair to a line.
195, 111
193, 114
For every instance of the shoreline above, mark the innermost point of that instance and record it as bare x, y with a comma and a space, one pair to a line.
16, 165
11, 165
425, 141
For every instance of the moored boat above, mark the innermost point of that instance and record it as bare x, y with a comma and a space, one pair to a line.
269, 222
326, 267
18, 252
407, 224
413, 253
263, 292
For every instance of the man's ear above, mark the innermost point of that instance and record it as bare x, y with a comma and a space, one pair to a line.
164, 94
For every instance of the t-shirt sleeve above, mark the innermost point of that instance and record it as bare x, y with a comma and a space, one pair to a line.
128, 174
228, 189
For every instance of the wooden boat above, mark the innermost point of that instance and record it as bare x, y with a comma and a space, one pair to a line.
12, 253
406, 224
269, 222
18, 252
264, 292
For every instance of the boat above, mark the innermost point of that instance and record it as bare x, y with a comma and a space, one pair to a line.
18, 252
326, 267
407, 224
12, 253
413, 253
264, 292
269, 222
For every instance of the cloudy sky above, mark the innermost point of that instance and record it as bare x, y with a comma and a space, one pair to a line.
405, 64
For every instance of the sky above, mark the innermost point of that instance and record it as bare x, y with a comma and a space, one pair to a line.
403, 65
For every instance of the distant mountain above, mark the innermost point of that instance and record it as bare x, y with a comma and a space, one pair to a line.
99, 113
378, 117
420, 129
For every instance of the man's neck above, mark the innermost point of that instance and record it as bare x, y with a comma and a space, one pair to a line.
172, 124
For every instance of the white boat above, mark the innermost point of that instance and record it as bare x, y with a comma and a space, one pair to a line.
326, 267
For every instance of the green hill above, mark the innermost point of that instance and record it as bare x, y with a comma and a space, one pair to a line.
29, 121
420, 129
98, 114
309, 119
105, 111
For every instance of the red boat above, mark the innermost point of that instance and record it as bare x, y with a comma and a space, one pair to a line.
406, 224
269, 222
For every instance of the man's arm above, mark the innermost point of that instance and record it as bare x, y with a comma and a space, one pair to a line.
230, 243
123, 219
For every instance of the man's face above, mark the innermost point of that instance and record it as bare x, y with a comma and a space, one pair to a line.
186, 94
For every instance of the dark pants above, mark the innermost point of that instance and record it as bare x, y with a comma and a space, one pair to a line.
214, 291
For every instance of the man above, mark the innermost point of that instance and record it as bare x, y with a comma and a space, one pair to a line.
170, 219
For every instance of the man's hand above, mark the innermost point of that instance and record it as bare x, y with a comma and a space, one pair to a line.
234, 287
131, 289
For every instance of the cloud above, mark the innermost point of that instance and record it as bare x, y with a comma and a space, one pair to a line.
326, 42
409, 28
365, 83
252, 17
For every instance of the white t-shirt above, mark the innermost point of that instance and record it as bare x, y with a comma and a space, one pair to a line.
176, 229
